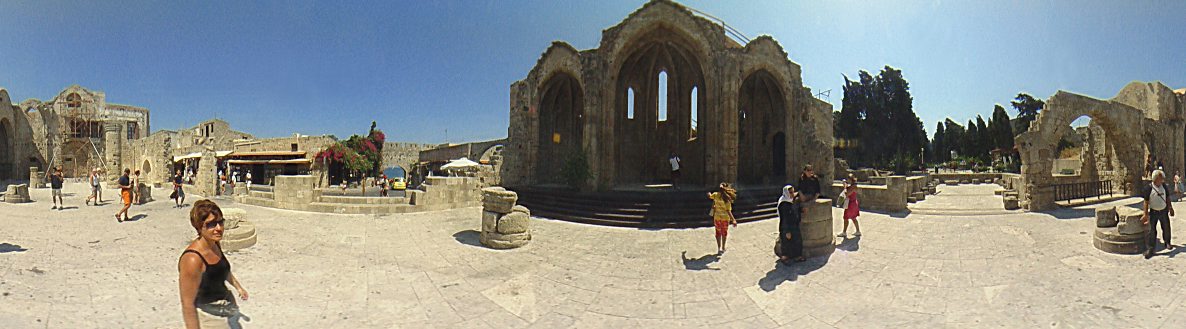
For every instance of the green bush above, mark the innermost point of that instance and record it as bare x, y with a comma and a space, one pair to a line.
576, 172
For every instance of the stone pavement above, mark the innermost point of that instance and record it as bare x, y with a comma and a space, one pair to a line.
78, 268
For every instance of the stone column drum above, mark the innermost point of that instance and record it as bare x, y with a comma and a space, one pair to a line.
504, 224
817, 229
35, 178
1119, 230
237, 233
17, 194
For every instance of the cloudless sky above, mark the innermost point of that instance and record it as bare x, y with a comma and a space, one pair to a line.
419, 68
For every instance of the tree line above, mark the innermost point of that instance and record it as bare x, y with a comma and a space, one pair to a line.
877, 127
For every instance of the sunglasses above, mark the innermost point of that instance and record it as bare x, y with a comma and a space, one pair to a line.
214, 223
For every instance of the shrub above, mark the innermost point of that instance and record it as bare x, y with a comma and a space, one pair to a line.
576, 171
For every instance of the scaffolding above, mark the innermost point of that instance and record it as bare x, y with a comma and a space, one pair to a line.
81, 132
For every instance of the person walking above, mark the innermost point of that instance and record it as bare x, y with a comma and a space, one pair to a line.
125, 194
203, 272
178, 194
248, 181
55, 185
93, 180
790, 215
675, 174
809, 183
852, 207
722, 213
1157, 208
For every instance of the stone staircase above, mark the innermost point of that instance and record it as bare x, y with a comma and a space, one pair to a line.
645, 209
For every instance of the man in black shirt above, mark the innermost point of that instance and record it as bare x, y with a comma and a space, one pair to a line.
809, 184
55, 184
179, 195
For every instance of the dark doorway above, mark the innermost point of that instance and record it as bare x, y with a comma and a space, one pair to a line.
778, 151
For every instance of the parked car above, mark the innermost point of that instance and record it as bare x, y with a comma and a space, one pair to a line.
398, 184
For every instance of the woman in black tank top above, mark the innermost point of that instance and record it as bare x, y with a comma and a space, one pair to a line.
204, 271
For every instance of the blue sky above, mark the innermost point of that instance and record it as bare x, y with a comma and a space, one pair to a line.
423, 67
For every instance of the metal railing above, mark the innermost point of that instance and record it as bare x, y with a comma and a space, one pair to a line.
1085, 190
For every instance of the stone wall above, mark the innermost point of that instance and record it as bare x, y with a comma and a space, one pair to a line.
16, 141
153, 156
403, 155
885, 198
298, 193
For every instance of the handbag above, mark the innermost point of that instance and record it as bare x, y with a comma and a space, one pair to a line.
173, 195
843, 200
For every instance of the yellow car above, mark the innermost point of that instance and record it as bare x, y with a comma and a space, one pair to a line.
398, 184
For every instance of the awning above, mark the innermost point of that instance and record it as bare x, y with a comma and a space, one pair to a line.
269, 162
268, 154
460, 163
221, 154
188, 156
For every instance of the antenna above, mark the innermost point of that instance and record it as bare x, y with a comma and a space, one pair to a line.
824, 94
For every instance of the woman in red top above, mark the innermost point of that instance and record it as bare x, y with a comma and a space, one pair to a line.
852, 208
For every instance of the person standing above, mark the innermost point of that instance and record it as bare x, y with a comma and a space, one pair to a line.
136, 187
178, 193
55, 185
203, 272
248, 182
722, 213
125, 194
809, 183
852, 207
675, 174
790, 215
93, 181
1157, 208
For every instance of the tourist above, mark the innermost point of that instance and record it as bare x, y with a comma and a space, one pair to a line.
221, 183
722, 213
674, 160
248, 182
790, 215
55, 185
1157, 208
1148, 165
204, 271
1178, 187
852, 207
383, 185
809, 183
125, 194
136, 187
93, 179
178, 194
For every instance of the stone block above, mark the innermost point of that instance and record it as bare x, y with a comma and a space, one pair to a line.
232, 217
1129, 221
498, 200
512, 223
504, 241
145, 193
522, 209
1105, 217
1109, 239
952, 182
1011, 203
998, 192
242, 236
490, 221
911, 199
18, 193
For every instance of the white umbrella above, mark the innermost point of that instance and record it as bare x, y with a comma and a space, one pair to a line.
460, 164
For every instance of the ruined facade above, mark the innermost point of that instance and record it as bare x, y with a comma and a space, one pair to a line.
18, 149
1142, 119
77, 129
731, 112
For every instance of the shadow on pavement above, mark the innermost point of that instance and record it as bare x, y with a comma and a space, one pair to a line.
136, 218
8, 247
700, 263
783, 273
849, 244
469, 237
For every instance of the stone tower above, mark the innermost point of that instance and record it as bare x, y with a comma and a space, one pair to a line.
112, 150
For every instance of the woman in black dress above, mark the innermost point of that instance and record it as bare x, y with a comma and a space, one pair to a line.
790, 214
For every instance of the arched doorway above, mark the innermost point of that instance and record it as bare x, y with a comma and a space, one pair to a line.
561, 126
7, 155
761, 116
658, 97
145, 168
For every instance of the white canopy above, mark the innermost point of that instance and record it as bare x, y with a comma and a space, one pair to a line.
460, 163
188, 156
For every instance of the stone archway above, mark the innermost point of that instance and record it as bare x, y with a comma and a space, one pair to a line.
761, 115
7, 154
561, 125
1122, 128
651, 123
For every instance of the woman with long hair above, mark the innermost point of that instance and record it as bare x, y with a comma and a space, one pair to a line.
722, 213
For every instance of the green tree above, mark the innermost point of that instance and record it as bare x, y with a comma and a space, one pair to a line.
1003, 130
1027, 110
877, 115
938, 146
983, 139
954, 138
